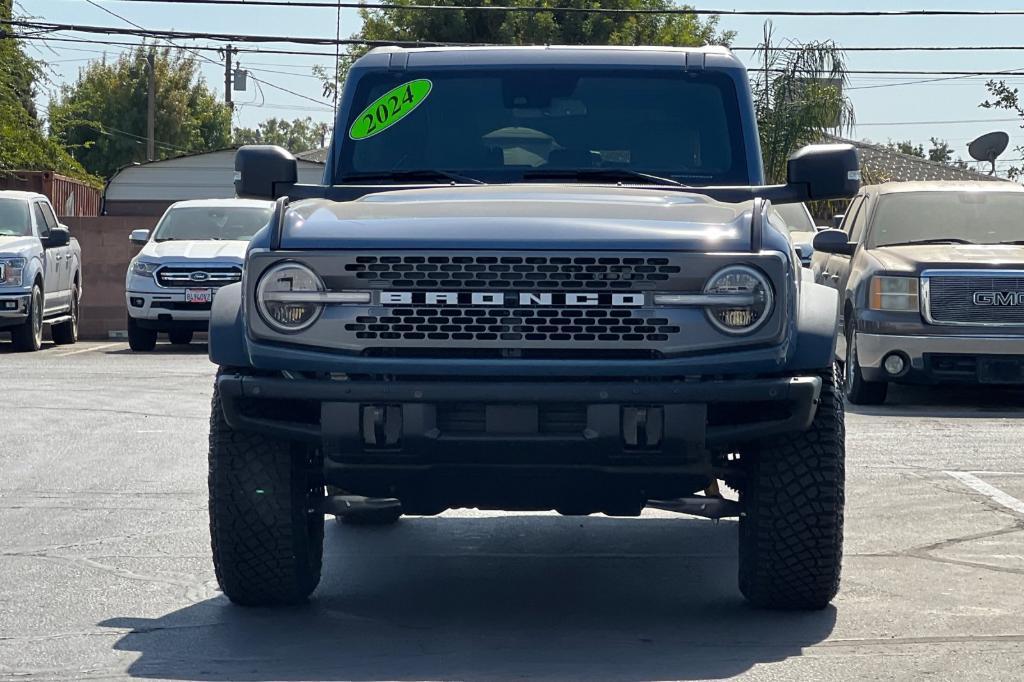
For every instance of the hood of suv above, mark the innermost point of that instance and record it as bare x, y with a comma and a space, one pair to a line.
916, 258
539, 216
199, 249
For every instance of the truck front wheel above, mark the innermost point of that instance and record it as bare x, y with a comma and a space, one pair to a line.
266, 515
140, 339
791, 531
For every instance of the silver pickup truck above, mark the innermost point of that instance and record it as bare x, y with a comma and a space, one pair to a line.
40, 272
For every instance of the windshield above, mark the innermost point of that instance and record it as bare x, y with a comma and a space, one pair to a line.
14, 220
513, 125
212, 222
964, 217
796, 217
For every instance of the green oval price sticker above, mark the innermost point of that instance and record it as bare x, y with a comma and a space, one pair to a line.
389, 109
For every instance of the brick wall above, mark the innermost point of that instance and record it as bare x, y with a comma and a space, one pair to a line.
105, 255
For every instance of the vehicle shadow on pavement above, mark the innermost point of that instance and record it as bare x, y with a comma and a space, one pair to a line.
194, 348
965, 402
479, 598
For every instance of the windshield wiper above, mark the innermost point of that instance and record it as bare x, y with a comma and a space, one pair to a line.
408, 174
1012, 241
617, 174
936, 240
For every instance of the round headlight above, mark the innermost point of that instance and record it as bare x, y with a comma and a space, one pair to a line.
279, 297
750, 286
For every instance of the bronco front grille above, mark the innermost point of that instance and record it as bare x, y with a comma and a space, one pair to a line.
512, 272
974, 298
198, 276
514, 324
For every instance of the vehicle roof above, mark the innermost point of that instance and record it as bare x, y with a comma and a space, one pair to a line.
943, 186
221, 203
18, 194
710, 56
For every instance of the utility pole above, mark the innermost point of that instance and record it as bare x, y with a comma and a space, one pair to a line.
227, 76
151, 110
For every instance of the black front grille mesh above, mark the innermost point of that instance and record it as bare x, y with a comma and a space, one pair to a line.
508, 272
513, 324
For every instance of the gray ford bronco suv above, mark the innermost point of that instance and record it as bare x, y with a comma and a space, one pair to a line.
533, 279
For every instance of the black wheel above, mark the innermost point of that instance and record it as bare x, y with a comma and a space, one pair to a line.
67, 332
266, 515
140, 339
180, 337
791, 530
28, 336
859, 391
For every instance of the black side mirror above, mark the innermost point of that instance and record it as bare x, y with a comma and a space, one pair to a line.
264, 171
825, 171
59, 236
837, 220
834, 241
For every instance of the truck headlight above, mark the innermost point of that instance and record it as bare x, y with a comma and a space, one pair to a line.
11, 270
739, 282
277, 302
144, 268
894, 294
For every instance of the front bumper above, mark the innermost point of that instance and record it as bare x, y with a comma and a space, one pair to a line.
943, 359
348, 413
13, 308
164, 309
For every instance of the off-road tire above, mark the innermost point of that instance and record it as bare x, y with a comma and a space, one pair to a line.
28, 336
858, 391
791, 530
266, 515
139, 339
66, 333
180, 337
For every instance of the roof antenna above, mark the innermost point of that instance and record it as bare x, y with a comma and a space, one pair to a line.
988, 147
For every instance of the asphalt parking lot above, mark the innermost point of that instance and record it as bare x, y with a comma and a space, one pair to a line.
104, 558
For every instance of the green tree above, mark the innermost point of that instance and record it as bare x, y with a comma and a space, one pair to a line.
533, 28
24, 144
799, 98
299, 135
102, 116
907, 147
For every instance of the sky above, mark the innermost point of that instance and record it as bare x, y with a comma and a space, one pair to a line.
886, 107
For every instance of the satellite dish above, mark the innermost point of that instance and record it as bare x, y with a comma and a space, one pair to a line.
988, 147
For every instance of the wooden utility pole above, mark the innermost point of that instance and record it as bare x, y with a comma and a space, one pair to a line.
227, 77
151, 109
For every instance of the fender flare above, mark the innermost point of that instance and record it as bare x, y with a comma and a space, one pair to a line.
227, 346
817, 323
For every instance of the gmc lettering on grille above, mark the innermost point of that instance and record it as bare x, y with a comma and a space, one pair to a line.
500, 298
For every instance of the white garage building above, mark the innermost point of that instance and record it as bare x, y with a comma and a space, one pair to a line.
147, 189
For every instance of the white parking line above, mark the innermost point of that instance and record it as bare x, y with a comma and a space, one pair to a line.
990, 491
87, 350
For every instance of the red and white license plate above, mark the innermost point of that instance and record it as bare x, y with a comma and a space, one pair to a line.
198, 295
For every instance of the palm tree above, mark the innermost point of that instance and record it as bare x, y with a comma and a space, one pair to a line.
799, 98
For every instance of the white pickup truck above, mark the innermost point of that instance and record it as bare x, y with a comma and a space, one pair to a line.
196, 248
40, 272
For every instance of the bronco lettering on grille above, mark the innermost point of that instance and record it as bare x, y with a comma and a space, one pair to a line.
999, 298
499, 298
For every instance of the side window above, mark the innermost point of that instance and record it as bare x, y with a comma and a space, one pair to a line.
851, 214
42, 227
859, 221
51, 219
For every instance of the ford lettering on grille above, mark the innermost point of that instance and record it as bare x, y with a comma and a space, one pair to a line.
500, 298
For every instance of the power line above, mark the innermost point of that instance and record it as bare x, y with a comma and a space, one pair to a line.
599, 10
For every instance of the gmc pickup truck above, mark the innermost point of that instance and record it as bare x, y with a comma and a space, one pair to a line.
534, 278
40, 272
